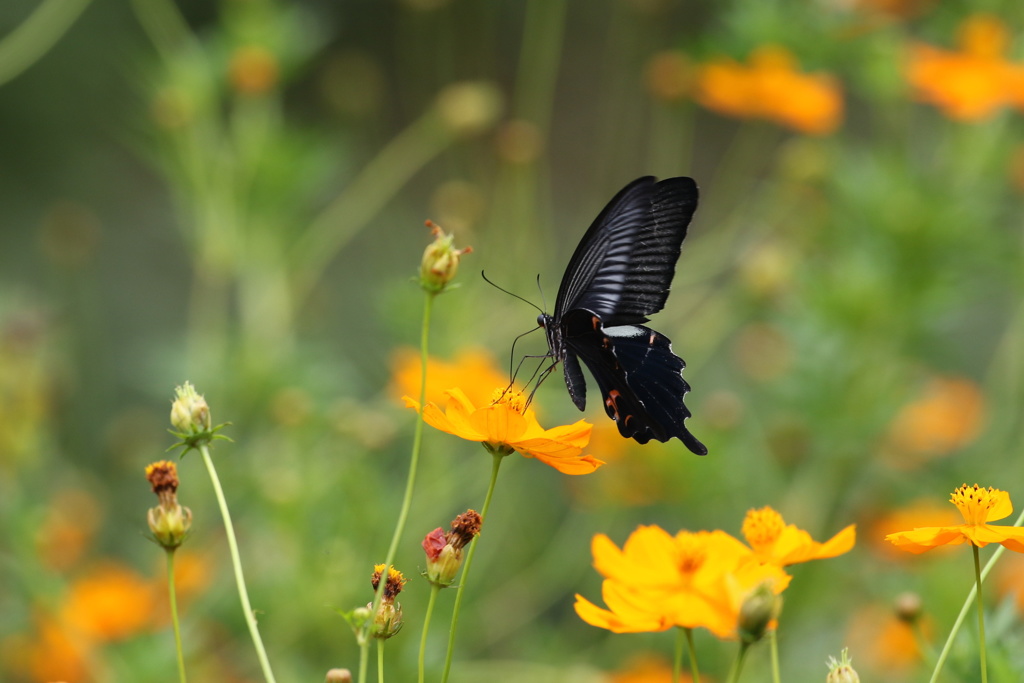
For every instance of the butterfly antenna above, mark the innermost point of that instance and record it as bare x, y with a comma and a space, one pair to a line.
540, 289
502, 289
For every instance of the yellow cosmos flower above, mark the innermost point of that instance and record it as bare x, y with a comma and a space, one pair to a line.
783, 544
657, 581
506, 425
979, 506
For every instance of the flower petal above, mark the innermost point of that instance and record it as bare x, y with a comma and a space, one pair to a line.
921, 540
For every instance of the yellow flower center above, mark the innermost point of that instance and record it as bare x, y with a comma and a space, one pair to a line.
974, 502
693, 554
515, 400
762, 527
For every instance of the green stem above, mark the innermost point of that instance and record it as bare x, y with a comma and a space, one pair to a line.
434, 590
410, 482
173, 597
774, 645
34, 37
363, 198
981, 614
236, 561
737, 664
165, 26
967, 606
380, 655
496, 465
694, 669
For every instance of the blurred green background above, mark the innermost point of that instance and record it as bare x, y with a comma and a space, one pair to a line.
233, 193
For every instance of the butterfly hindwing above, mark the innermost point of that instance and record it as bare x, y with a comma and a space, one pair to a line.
638, 375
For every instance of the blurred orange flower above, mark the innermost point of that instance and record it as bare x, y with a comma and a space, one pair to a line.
783, 544
884, 643
109, 603
918, 513
972, 83
54, 654
472, 370
506, 424
979, 506
947, 416
72, 518
657, 581
646, 668
771, 88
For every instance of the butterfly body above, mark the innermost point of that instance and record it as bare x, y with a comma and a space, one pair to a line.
619, 275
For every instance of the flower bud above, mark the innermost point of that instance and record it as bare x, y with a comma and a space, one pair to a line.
339, 676
444, 551
388, 619
907, 607
189, 412
440, 260
759, 609
841, 671
169, 522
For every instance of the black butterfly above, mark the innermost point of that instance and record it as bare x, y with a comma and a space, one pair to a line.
620, 274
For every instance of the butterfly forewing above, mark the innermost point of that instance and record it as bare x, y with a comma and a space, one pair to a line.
619, 274
624, 264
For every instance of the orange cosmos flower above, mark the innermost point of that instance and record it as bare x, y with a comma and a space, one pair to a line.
111, 602
505, 424
917, 513
947, 416
772, 88
473, 370
783, 544
657, 581
972, 83
979, 506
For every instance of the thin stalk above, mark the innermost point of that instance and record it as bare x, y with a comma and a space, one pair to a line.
966, 607
774, 645
378, 182
410, 482
434, 590
694, 669
173, 598
981, 615
33, 38
380, 656
737, 664
236, 562
496, 465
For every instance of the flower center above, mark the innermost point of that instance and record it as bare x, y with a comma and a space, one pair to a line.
762, 527
974, 502
514, 399
692, 554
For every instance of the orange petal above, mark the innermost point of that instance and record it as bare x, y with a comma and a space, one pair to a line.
1001, 508
921, 540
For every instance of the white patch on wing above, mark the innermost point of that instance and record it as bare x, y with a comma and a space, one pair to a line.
624, 331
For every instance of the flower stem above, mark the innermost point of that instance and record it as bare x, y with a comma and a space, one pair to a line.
496, 465
173, 598
380, 657
737, 664
236, 562
410, 482
434, 590
774, 644
966, 606
26, 44
684, 638
981, 614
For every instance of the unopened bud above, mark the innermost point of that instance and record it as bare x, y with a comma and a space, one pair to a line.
841, 671
338, 676
758, 611
440, 260
444, 550
189, 412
